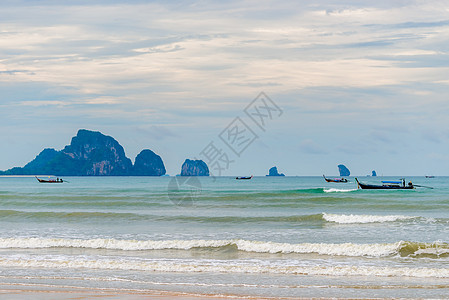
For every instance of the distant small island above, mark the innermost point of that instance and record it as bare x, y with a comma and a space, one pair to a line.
91, 153
274, 172
343, 170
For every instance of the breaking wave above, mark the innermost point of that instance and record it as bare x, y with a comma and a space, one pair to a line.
218, 266
334, 190
351, 219
402, 248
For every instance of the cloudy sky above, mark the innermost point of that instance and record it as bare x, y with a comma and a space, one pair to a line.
364, 83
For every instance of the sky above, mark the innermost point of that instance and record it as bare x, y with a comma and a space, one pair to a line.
363, 83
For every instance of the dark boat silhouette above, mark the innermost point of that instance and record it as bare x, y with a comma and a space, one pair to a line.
386, 185
243, 177
340, 180
57, 180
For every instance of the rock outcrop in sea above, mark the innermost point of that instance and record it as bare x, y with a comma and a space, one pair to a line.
373, 173
148, 163
274, 172
343, 170
91, 153
194, 168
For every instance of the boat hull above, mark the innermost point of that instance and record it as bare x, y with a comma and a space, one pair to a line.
383, 187
365, 186
49, 181
338, 180
244, 178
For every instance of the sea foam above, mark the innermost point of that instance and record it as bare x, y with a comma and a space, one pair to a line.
344, 249
218, 266
334, 190
354, 219
401, 248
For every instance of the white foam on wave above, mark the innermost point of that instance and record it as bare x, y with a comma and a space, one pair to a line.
218, 266
361, 219
112, 244
345, 249
334, 190
432, 251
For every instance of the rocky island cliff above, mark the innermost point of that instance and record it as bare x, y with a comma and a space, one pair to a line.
91, 153
274, 172
194, 168
343, 170
148, 163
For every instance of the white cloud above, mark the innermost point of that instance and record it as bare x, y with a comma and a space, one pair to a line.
42, 103
209, 54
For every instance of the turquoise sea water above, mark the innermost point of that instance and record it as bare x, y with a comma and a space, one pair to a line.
286, 236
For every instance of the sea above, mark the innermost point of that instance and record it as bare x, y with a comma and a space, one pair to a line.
295, 237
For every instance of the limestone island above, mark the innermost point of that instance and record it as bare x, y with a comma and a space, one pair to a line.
274, 172
194, 168
343, 170
91, 153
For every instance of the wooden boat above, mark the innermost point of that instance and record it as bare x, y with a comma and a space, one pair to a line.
243, 177
386, 185
341, 180
57, 180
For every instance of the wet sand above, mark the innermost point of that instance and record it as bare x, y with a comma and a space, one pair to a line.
38, 292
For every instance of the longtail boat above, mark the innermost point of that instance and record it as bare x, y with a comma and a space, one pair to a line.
57, 180
243, 177
386, 185
341, 180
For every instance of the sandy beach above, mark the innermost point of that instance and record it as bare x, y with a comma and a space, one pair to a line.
38, 292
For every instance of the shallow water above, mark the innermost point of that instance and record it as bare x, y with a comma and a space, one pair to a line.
286, 236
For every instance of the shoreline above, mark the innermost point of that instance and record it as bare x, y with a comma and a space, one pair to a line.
40, 291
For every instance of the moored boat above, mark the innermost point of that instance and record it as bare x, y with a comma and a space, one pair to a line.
244, 177
386, 185
341, 180
57, 180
